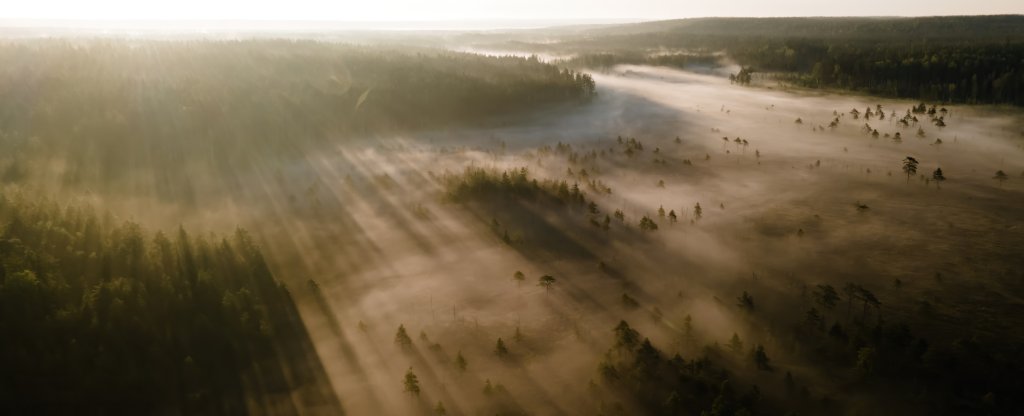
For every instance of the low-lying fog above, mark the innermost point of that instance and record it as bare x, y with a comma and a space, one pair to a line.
369, 223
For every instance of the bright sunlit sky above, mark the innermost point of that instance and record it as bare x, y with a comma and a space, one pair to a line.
421, 10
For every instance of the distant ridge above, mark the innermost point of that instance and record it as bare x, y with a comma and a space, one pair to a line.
938, 27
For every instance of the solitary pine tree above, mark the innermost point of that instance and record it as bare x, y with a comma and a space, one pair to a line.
938, 177
546, 281
735, 344
745, 302
460, 362
500, 350
402, 338
412, 384
761, 359
519, 277
909, 167
1001, 177
688, 327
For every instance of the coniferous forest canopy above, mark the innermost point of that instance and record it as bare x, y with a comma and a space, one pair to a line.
973, 59
721, 216
105, 317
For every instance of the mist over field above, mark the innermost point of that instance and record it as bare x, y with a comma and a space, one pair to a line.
780, 215
427, 223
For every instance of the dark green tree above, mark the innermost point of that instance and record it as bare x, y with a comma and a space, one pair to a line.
761, 359
909, 167
938, 176
735, 344
745, 302
411, 383
625, 336
826, 296
546, 281
402, 338
1001, 177
500, 349
460, 362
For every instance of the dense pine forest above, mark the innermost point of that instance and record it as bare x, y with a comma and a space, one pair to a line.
704, 217
101, 316
957, 59
948, 72
120, 115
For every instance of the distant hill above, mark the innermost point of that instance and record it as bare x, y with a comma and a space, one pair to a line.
939, 27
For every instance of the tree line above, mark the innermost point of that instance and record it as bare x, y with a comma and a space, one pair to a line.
609, 59
962, 59
120, 110
945, 72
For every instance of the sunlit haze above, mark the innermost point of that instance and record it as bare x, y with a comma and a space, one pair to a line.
512, 208
416, 10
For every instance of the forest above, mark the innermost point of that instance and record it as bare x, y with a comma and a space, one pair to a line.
933, 71
706, 217
102, 316
956, 59
672, 60
104, 109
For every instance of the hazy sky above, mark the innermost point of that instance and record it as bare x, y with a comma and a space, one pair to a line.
391, 10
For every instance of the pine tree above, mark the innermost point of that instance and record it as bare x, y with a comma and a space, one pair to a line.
909, 167
1001, 177
412, 384
745, 302
688, 327
500, 350
460, 362
761, 359
402, 338
938, 176
546, 281
735, 344
519, 277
